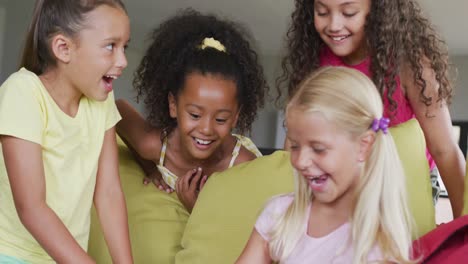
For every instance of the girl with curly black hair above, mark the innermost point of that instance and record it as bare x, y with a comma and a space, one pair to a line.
397, 47
199, 80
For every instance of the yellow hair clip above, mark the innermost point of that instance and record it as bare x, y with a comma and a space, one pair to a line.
212, 43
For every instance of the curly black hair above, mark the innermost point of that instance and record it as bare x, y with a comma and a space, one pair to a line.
175, 52
396, 33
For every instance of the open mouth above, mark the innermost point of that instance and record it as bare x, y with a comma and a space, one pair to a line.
203, 142
317, 183
108, 81
319, 179
339, 38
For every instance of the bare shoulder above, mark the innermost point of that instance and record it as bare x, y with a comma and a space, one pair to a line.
152, 146
149, 145
244, 156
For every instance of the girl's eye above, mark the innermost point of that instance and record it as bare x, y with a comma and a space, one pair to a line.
221, 121
349, 14
293, 146
194, 116
110, 47
319, 150
321, 13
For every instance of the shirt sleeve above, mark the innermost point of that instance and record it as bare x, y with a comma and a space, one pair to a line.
21, 109
274, 209
112, 113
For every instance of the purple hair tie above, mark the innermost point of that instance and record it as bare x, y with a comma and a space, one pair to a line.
381, 124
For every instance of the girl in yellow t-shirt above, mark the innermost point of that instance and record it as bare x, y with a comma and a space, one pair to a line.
57, 118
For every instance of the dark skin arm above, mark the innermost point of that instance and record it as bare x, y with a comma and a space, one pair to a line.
142, 140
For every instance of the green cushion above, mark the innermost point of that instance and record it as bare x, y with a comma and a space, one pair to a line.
228, 206
156, 219
465, 208
411, 147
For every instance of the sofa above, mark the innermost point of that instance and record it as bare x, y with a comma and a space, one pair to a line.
162, 231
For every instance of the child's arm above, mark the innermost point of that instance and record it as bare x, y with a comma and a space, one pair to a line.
144, 142
256, 250
23, 160
110, 202
436, 124
134, 129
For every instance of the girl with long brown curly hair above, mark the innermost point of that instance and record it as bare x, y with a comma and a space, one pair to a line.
199, 80
397, 47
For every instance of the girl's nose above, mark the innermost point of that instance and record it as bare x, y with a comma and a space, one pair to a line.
121, 60
206, 126
335, 23
302, 160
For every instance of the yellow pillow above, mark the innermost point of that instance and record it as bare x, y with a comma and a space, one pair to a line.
228, 206
465, 208
156, 219
411, 146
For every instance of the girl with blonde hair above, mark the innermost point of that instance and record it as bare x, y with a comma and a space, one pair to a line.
349, 203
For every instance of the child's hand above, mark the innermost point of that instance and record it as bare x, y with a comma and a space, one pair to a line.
157, 180
188, 187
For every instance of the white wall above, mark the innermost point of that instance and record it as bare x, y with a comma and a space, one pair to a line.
2, 30
459, 107
264, 127
13, 32
14, 27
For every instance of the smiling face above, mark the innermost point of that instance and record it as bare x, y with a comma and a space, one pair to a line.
206, 110
324, 155
97, 54
340, 24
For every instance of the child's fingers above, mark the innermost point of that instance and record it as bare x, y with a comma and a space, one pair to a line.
164, 186
189, 176
182, 183
203, 181
195, 181
159, 183
145, 181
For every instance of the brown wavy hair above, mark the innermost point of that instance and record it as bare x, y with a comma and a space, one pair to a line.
396, 33
174, 53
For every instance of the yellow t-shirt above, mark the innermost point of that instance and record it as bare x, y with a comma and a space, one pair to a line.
70, 148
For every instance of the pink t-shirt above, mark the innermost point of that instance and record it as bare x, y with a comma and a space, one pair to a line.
332, 248
404, 111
